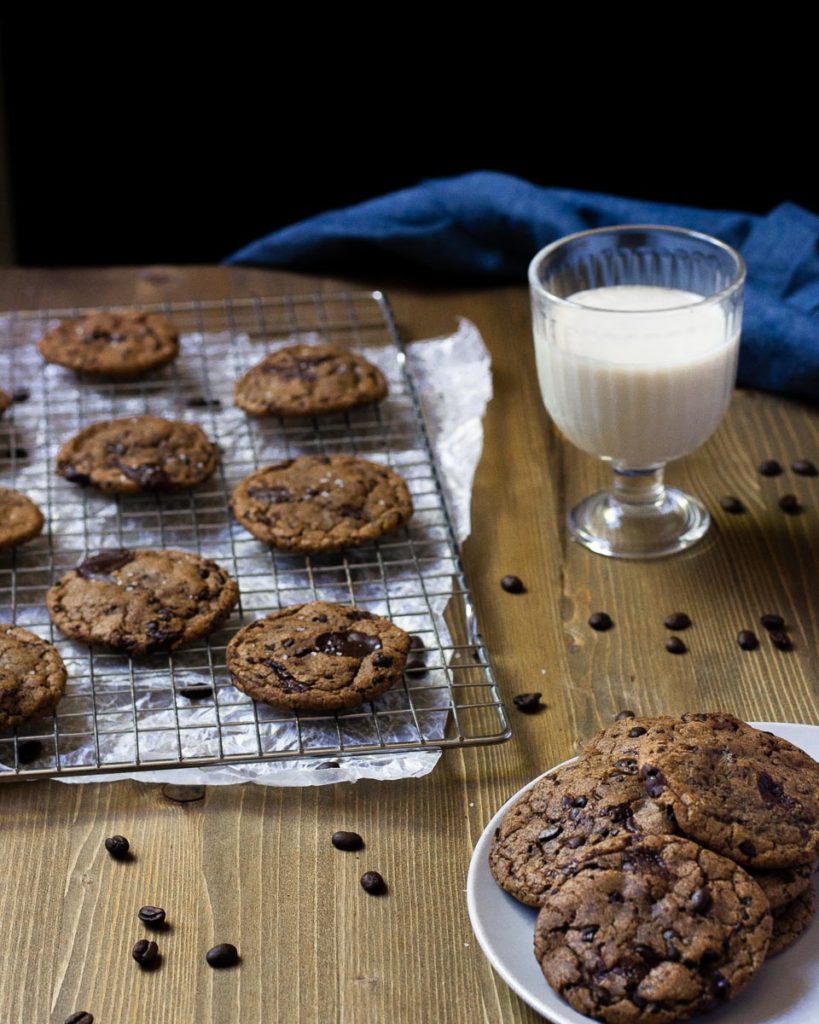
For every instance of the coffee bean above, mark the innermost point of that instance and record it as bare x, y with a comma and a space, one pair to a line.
347, 841
781, 640
803, 467
624, 714
20, 395
117, 846
373, 883
223, 955
600, 621
28, 750
677, 621
731, 504
790, 503
145, 952
80, 1017
529, 703
513, 585
701, 901
770, 467
772, 622
675, 646
196, 692
153, 917
747, 640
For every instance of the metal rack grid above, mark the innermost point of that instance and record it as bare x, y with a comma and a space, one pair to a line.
179, 709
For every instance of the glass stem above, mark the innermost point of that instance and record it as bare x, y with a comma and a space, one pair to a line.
640, 488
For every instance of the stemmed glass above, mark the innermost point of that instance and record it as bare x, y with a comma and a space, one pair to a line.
636, 337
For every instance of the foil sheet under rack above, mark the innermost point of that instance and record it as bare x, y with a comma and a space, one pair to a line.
180, 709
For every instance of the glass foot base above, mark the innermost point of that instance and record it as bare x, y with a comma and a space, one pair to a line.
610, 527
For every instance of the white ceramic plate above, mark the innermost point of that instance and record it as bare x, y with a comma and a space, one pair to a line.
786, 990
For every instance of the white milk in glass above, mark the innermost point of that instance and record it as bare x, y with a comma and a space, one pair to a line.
631, 380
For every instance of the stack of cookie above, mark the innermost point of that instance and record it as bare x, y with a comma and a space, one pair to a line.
668, 862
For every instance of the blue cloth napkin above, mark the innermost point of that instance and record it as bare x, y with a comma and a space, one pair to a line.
487, 226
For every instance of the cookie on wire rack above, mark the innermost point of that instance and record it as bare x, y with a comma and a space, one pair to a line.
20, 518
117, 344
32, 676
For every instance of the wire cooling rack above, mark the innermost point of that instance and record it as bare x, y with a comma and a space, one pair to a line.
180, 709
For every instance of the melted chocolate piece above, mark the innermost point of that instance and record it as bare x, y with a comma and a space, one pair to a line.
772, 792
83, 479
288, 683
100, 567
149, 476
347, 643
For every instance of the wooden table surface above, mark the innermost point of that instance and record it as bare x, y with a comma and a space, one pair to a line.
253, 865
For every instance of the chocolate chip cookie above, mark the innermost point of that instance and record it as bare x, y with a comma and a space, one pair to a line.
5, 401
792, 921
32, 676
564, 816
20, 519
140, 453
124, 344
302, 380
652, 929
745, 793
317, 657
321, 502
141, 601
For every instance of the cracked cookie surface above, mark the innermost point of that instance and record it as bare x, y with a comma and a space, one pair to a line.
317, 657
302, 380
563, 817
119, 344
138, 453
20, 518
141, 601
321, 502
791, 921
745, 793
32, 676
652, 929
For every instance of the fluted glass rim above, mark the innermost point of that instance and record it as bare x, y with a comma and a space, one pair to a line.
739, 279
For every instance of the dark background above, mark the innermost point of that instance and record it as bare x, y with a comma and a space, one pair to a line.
152, 147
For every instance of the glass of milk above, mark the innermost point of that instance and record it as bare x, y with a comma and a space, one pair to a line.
636, 337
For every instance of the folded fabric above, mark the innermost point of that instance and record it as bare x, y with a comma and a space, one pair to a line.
487, 226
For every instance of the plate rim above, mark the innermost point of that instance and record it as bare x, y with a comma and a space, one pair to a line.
477, 863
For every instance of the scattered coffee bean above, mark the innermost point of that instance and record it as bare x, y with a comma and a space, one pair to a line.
347, 841
513, 585
20, 395
624, 714
790, 503
772, 622
677, 621
28, 751
747, 640
529, 703
781, 640
804, 467
196, 692
600, 621
223, 955
80, 1017
153, 917
145, 952
675, 646
731, 504
701, 901
200, 402
770, 467
373, 883
117, 846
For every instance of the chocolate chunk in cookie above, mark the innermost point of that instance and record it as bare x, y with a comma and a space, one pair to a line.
140, 453
20, 519
317, 657
652, 929
142, 601
124, 344
301, 380
563, 817
321, 502
745, 793
791, 921
32, 676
